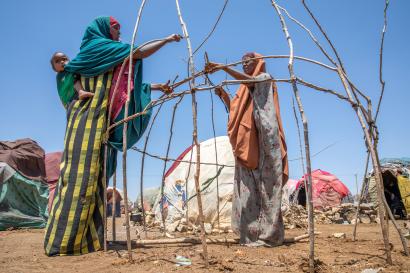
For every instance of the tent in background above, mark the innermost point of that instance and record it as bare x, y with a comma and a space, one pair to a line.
289, 194
52, 162
180, 173
396, 181
327, 190
23, 191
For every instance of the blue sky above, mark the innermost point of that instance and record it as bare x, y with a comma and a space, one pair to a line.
33, 30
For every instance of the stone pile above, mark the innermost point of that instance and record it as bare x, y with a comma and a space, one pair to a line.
296, 215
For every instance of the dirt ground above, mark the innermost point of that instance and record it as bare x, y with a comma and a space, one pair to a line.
22, 251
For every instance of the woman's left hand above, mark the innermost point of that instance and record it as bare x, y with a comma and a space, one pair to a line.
174, 38
211, 67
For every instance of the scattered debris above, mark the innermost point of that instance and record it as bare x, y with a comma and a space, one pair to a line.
371, 270
182, 261
339, 235
296, 216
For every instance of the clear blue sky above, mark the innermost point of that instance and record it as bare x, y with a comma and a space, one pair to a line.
33, 30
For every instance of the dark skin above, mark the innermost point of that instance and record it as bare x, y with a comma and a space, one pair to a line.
248, 66
58, 62
147, 50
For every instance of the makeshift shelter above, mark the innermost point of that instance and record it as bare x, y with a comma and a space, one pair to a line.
23, 191
150, 196
327, 190
289, 193
179, 190
52, 162
396, 181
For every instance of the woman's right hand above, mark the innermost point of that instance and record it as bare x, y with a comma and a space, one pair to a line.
174, 38
211, 67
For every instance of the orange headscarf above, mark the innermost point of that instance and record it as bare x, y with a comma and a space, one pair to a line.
242, 130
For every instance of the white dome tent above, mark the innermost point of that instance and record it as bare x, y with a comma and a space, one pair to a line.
175, 187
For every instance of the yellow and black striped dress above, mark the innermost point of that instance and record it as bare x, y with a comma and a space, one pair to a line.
75, 225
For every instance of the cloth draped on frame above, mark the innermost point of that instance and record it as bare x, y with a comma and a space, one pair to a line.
242, 130
75, 225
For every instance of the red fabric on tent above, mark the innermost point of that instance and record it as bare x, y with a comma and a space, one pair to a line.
327, 189
52, 162
176, 163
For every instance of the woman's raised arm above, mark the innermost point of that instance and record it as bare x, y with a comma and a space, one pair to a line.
151, 47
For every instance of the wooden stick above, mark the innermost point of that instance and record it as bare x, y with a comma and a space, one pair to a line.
186, 183
195, 135
114, 200
300, 149
124, 136
171, 132
334, 51
376, 167
326, 90
177, 160
369, 137
284, 57
360, 197
189, 240
201, 73
310, 34
306, 139
216, 160
142, 169
104, 184
213, 28
382, 82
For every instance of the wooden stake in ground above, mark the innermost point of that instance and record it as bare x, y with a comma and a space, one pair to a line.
171, 132
188, 240
104, 182
195, 135
360, 197
114, 200
306, 139
376, 167
142, 170
124, 140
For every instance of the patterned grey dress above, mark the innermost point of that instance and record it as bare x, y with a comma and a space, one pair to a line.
256, 207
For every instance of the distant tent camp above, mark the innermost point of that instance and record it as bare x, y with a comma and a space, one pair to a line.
289, 195
328, 190
396, 181
176, 196
23, 191
118, 199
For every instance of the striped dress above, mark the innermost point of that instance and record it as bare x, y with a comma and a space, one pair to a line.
75, 225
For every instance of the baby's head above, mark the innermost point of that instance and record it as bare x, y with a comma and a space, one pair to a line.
58, 61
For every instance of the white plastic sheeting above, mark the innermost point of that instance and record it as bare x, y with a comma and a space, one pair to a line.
174, 190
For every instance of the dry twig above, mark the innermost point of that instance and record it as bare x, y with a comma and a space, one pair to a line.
124, 136
195, 134
306, 139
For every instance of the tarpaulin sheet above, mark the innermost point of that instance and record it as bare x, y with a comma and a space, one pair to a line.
23, 203
25, 156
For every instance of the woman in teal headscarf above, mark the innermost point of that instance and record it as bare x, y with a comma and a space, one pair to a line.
75, 225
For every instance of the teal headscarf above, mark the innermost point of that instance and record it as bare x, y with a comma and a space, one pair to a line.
98, 54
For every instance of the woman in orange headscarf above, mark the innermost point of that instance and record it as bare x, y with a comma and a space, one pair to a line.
258, 143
